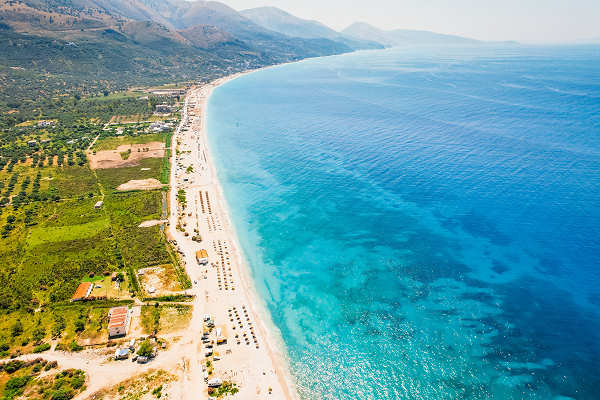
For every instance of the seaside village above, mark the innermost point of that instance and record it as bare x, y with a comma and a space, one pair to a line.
194, 318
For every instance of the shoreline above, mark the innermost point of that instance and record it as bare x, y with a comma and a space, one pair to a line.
193, 135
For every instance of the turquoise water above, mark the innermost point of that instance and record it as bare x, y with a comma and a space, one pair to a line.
423, 224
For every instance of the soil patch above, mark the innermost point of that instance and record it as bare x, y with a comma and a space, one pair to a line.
141, 184
113, 158
159, 281
148, 224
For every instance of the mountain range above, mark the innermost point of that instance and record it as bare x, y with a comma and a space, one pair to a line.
143, 41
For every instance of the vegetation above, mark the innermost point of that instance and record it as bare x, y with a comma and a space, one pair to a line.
226, 389
181, 198
41, 348
23, 379
52, 237
172, 297
166, 167
25, 332
139, 386
145, 349
165, 318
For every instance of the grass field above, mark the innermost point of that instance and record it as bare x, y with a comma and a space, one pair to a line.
112, 142
165, 319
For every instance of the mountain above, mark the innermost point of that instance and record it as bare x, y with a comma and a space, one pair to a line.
277, 20
52, 47
280, 21
403, 37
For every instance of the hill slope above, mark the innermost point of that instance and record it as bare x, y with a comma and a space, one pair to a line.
121, 42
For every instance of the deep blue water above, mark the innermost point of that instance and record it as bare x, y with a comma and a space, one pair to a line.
423, 224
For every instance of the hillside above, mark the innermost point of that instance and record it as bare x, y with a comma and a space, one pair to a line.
52, 47
403, 37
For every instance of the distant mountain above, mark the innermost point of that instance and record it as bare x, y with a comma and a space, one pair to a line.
280, 21
277, 20
402, 37
123, 42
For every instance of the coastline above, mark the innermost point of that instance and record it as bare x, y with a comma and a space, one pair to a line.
192, 133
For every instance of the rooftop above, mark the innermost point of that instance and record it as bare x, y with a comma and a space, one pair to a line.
82, 291
118, 316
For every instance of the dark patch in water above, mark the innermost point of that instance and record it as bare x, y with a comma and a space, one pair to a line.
498, 267
480, 226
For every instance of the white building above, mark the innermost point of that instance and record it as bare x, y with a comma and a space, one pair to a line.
118, 323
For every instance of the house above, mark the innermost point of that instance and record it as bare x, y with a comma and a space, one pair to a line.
202, 257
164, 108
43, 124
83, 291
32, 143
121, 354
118, 321
98, 204
158, 127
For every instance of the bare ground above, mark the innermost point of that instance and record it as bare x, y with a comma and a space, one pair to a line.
153, 222
141, 184
112, 158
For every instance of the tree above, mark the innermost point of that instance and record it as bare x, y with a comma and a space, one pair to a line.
145, 349
17, 328
38, 334
79, 325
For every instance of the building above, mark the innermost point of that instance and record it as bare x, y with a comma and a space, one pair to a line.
158, 127
32, 143
202, 257
118, 321
164, 109
83, 291
44, 124
98, 204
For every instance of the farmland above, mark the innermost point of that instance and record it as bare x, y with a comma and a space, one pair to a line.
53, 234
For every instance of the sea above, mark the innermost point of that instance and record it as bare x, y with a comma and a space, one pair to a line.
423, 223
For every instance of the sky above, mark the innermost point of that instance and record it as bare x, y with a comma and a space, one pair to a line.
538, 21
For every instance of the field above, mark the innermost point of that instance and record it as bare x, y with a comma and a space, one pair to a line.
112, 142
53, 237
65, 323
164, 319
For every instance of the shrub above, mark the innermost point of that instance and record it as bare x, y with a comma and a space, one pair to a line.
13, 366
42, 347
79, 325
62, 394
145, 349
38, 334
17, 328
14, 386
73, 346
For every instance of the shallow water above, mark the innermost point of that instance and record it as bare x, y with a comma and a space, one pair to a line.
423, 223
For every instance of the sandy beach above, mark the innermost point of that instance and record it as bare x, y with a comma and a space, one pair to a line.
252, 357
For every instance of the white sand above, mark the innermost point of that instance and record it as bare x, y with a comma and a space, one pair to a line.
256, 370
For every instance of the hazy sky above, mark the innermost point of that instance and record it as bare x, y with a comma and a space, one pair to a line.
523, 20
